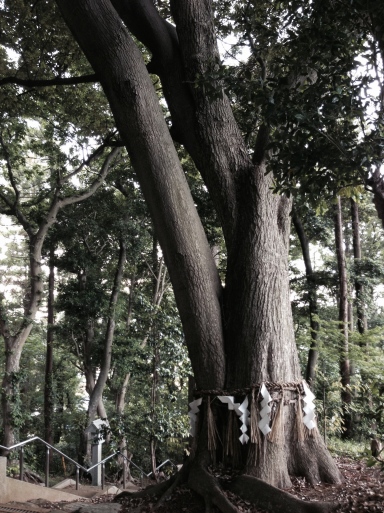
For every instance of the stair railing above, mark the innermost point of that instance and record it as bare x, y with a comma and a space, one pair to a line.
20, 446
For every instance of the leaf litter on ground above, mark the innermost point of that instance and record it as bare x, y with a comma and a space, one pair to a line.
361, 492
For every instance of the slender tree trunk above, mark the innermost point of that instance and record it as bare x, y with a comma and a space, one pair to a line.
121, 394
120, 406
310, 373
9, 390
359, 287
158, 271
346, 395
88, 366
14, 343
154, 392
121, 391
48, 386
89, 370
97, 392
95, 389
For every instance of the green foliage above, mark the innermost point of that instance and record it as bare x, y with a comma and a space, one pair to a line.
157, 396
349, 448
309, 72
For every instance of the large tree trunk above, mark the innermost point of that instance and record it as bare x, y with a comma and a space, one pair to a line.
245, 336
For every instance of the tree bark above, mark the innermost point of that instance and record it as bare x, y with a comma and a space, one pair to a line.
126, 82
346, 396
244, 336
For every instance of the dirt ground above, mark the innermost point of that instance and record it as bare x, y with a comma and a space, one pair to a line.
362, 492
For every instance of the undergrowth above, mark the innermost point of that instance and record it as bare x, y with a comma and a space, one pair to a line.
349, 448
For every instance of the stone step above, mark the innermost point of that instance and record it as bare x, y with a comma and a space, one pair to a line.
66, 507
90, 492
21, 507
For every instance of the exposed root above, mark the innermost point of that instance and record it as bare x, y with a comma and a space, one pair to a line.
203, 483
221, 501
311, 460
154, 490
275, 500
250, 488
163, 490
179, 479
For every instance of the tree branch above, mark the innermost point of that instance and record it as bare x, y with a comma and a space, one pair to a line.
13, 206
70, 200
96, 153
85, 79
4, 331
9, 170
4, 198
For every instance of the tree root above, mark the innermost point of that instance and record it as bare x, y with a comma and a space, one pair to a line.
252, 489
163, 490
150, 491
168, 492
273, 499
203, 483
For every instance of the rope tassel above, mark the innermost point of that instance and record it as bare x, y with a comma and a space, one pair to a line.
254, 422
211, 428
300, 428
277, 432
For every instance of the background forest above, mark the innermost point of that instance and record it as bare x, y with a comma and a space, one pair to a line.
88, 321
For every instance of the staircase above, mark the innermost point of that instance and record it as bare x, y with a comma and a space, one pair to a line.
14, 490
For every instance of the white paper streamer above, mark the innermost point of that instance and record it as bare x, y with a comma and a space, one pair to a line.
230, 401
309, 408
265, 411
244, 415
194, 405
242, 411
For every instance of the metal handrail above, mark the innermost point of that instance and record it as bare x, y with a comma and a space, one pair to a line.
164, 463
78, 466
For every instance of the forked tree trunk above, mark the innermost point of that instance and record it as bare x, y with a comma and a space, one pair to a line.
88, 367
96, 388
242, 335
96, 394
